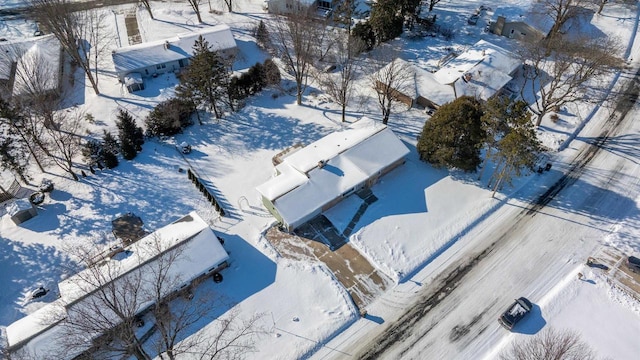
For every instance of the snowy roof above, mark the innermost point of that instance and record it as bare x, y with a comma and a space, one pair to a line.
42, 51
428, 87
19, 205
133, 78
139, 56
350, 157
485, 82
491, 55
531, 13
423, 84
201, 252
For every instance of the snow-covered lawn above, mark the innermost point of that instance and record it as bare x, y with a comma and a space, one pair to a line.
420, 213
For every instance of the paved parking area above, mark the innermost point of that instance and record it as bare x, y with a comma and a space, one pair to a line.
363, 282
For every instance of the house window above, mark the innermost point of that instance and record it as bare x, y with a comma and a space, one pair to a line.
161, 66
512, 31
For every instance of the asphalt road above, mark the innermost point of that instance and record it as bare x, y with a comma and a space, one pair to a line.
521, 250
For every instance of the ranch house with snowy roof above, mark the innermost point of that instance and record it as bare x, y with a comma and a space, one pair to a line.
41, 333
312, 179
31, 66
482, 71
149, 59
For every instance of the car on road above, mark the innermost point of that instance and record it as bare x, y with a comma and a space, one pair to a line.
516, 312
473, 19
633, 263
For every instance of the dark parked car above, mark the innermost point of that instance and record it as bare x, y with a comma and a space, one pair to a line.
39, 292
516, 312
473, 19
633, 263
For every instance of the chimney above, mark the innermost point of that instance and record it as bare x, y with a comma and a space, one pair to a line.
466, 77
166, 45
321, 164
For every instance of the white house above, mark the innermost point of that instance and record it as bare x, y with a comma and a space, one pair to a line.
315, 178
481, 71
31, 66
133, 63
322, 7
202, 254
420, 87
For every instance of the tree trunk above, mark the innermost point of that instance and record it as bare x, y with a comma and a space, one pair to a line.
199, 17
602, 2
299, 94
539, 118
94, 83
344, 111
486, 158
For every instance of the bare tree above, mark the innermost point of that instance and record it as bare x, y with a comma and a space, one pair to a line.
295, 36
561, 11
65, 139
229, 4
234, 337
95, 33
70, 28
550, 344
562, 72
390, 84
433, 3
340, 86
104, 319
147, 6
35, 87
195, 5
107, 318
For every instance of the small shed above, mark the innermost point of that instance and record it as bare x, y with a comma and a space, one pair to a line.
128, 228
21, 210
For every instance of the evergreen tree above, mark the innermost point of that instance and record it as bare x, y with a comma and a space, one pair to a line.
206, 80
517, 150
271, 73
386, 19
364, 32
110, 150
169, 117
92, 152
13, 158
454, 135
262, 35
130, 136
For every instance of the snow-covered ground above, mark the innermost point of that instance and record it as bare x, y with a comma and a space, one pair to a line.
421, 212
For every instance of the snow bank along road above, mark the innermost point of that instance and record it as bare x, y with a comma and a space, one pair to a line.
523, 249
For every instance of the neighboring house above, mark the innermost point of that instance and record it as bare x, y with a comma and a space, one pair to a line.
31, 66
482, 71
133, 63
312, 179
422, 88
202, 255
527, 23
323, 7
